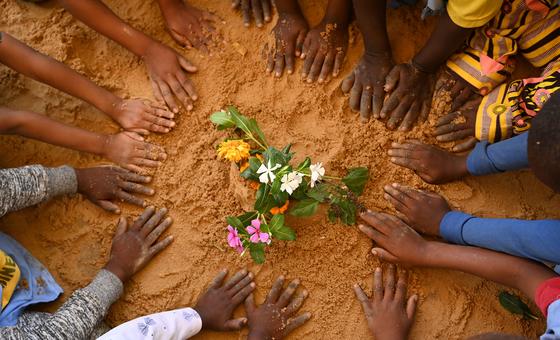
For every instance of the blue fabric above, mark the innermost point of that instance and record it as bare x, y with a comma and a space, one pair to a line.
507, 155
537, 240
552, 322
40, 286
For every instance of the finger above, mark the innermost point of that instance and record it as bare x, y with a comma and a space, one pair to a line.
338, 60
270, 63
290, 61
445, 129
372, 233
134, 136
403, 153
178, 37
389, 290
126, 197
347, 83
308, 62
134, 168
153, 222
410, 117
180, 92
243, 293
384, 255
235, 324
378, 284
297, 322
399, 206
424, 112
275, 290
235, 4
136, 188
316, 67
160, 246
157, 91
286, 296
453, 136
390, 104
365, 103
408, 163
279, 65
296, 303
187, 86
235, 279
267, 10
145, 162
240, 285
108, 206
160, 125
377, 102
305, 47
121, 227
361, 296
398, 114
153, 152
156, 233
186, 65
140, 221
162, 112
356, 96
461, 99
411, 306
466, 145
257, 12
327, 67
168, 97
218, 279
299, 42
392, 79
448, 118
400, 293
246, 9
134, 177
377, 221
250, 304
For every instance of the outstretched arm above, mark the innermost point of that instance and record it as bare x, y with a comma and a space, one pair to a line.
166, 67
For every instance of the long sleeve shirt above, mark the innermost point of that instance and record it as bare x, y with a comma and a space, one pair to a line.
177, 324
507, 155
83, 312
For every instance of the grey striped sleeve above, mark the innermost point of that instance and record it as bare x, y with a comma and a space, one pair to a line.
77, 319
30, 185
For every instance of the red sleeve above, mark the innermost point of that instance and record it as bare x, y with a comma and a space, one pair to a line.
547, 293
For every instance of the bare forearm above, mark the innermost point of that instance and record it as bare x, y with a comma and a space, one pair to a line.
39, 127
339, 12
508, 270
40, 67
446, 38
99, 17
371, 18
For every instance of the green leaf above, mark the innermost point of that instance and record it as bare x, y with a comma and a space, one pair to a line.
257, 252
284, 233
332, 215
287, 148
356, 180
235, 222
251, 171
261, 198
304, 164
257, 132
300, 193
247, 217
513, 304
249, 126
318, 193
275, 156
348, 212
222, 120
276, 222
306, 207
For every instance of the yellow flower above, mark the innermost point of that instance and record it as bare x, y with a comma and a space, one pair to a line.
234, 150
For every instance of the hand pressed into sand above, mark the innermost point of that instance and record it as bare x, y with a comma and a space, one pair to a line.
289, 35
260, 9
276, 317
129, 150
142, 116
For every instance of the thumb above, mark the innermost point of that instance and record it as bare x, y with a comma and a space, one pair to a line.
109, 206
182, 40
235, 324
186, 65
411, 306
121, 227
384, 255
250, 304
392, 79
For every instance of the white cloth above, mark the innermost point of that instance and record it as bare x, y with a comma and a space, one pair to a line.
178, 324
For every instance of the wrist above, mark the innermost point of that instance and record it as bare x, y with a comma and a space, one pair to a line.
104, 145
340, 22
117, 271
111, 105
423, 67
258, 334
79, 179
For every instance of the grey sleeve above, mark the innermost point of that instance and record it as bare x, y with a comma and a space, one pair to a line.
30, 185
76, 319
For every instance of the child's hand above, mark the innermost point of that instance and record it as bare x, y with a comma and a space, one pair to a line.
274, 319
324, 50
398, 243
459, 125
420, 209
129, 150
168, 74
410, 96
387, 316
217, 304
432, 164
259, 8
289, 33
104, 184
189, 26
133, 248
365, 84
142, 116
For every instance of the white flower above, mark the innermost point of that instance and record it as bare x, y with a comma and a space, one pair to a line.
317, 173
267, 175
291, 181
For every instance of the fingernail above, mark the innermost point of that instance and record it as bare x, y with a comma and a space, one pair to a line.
281, 277
369, 211
305, 293
152, 192
390, 152
148, 179
304, 75
250, 275
290, 71
189, 107
176, 110
309, 80
277, 74
393, 159
374, 252
246, 25
118, 211
321, 80
395, 185
243, 271
252, 285
172, 124
438, 138
394, 144
377, 269
259, 25
194, 97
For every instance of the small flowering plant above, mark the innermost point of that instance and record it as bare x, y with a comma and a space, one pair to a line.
278, 182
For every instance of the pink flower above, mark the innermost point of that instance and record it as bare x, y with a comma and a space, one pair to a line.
234, 240
255, 231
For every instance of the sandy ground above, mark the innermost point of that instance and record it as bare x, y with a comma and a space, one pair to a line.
72, 237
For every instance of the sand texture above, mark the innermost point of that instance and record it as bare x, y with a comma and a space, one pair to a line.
72, 237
